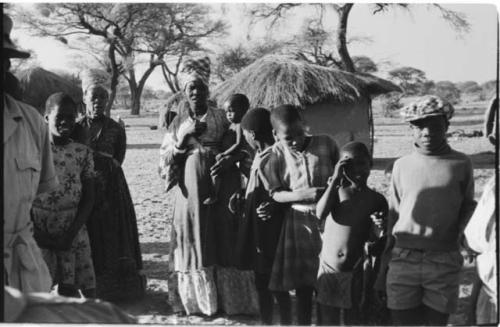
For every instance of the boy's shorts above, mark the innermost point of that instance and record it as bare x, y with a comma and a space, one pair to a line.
418, 277
334, 288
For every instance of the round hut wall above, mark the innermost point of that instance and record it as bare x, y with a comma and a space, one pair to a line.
344, 122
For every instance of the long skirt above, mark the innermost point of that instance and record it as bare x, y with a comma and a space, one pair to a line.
114, 239
203, 242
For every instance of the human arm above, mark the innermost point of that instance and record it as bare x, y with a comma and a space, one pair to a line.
48, 177
480, 232
173, 147
225, 162
379, 218
87, 198
330, 198
237, 144
84, 210
121, 145
468, 204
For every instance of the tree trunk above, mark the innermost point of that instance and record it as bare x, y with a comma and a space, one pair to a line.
136, 104
342, 38
136, 89
135, 98
115, 73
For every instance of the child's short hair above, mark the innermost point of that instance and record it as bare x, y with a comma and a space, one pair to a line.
61, 99
285, 114
357, 147
239, 100
258, 120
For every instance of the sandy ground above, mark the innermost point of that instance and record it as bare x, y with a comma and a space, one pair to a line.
154, 207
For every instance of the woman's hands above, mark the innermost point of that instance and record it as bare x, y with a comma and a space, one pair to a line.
195, 129
236, 202
222, 164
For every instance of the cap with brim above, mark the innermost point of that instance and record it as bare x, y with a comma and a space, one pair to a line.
9, 50
429, 106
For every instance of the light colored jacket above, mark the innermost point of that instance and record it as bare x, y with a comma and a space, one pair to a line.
481, 237
28, 171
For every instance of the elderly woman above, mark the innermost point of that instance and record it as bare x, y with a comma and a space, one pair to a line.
112, 226
204, 236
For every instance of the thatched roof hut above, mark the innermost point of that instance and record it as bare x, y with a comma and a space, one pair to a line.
335, 102
37, 84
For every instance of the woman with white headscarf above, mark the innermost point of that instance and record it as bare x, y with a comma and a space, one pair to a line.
203, 236
112, 226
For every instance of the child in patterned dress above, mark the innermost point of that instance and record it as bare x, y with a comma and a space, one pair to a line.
297, 173
348, 205
59, 216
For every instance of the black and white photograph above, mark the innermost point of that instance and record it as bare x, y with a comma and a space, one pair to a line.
216, 163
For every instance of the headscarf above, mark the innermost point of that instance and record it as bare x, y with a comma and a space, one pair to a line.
94, 77
195, 69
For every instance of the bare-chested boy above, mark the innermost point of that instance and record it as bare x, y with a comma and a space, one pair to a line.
351, 209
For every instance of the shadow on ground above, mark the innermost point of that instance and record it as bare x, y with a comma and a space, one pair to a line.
155, 247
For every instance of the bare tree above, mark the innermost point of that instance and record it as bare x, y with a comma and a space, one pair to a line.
131, 31
273, 13
233, 59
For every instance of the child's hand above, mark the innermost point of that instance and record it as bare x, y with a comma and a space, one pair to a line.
378, 219
219, 156
236, 202
311, 194
340, 169
264, 211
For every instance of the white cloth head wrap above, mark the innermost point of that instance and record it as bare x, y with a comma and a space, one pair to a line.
95, 77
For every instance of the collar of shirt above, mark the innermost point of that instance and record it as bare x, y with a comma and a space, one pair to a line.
11, 116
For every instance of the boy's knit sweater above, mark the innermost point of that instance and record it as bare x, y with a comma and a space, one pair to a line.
432, 198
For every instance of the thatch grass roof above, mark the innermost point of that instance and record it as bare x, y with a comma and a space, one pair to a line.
37, 84
275, 80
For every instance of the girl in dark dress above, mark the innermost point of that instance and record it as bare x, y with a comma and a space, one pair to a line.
112, 226
262, 219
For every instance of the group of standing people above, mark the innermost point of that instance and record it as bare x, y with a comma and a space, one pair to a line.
305, 220
68, 216
261, 208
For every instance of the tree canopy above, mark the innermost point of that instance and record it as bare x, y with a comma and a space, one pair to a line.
160, 34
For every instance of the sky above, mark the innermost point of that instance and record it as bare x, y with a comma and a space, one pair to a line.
418, 38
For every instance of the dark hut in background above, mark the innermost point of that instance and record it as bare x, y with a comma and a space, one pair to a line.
37, 84
335, 102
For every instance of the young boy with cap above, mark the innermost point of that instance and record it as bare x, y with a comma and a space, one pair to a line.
432, 198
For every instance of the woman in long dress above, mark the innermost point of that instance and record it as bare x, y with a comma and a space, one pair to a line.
112, 226
204, 236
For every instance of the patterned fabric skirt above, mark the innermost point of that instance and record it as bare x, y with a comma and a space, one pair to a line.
297, 254
73, 267
203, 243
113, 234
207, 290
